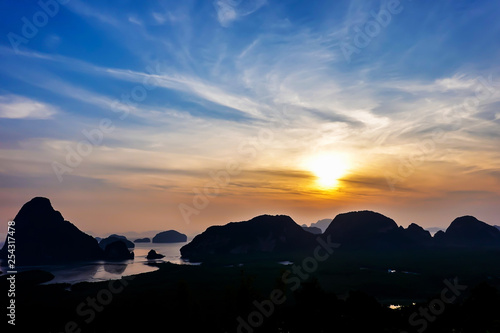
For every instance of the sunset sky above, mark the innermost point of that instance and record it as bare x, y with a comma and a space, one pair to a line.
126, 114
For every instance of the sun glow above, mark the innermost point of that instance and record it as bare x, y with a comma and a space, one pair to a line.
328, 168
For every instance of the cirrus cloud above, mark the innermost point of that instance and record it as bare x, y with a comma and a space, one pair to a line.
19, 107
231, 10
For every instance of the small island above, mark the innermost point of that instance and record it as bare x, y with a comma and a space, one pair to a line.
143, 240
170, 236
152, 254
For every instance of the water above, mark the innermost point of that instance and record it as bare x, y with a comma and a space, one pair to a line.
102, 271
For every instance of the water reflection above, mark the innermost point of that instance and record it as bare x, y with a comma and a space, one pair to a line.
101, 271
71, 274
115, 268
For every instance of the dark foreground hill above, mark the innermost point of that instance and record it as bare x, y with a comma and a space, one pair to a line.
258, 298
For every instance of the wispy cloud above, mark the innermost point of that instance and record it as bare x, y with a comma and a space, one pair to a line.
84, 9
19, 107
273, 66
168, 16
134, 20
229, 11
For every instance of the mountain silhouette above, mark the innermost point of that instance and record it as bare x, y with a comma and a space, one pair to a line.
415, 235
43, 236
433, 230
362, 229
371, 230
322, 224
359, 230
312, 230
468, 231
265, 234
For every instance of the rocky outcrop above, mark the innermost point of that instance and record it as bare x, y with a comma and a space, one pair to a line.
44, 237
265, 234
117, 251
152, 254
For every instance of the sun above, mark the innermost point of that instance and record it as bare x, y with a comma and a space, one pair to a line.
328, 168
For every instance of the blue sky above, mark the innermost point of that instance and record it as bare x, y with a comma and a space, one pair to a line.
209, 76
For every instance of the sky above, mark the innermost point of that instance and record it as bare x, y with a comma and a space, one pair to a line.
157, 115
